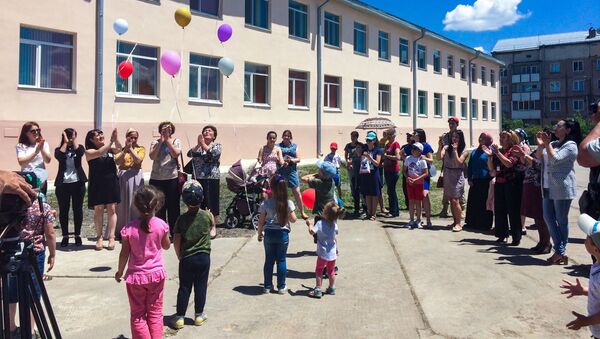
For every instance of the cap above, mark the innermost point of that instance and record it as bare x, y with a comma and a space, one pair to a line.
371, 136
591, 227
409, 134
192, 193
333, 145
454, 119
327, 168
418, 146
131, 130
522, 133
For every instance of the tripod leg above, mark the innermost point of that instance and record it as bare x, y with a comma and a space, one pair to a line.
24, 315
37, 275
38, 311
5, 311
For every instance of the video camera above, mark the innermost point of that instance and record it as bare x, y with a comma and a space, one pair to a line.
12, 208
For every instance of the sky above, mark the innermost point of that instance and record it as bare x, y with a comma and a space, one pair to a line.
480, 23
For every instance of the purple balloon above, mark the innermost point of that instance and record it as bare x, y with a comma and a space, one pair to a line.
224, 32
170, 62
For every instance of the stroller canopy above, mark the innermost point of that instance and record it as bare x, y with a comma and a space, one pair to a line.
241, 171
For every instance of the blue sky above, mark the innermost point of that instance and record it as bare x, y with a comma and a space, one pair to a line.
511, 18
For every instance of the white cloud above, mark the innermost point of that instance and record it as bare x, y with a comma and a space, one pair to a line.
480, 48
484, 15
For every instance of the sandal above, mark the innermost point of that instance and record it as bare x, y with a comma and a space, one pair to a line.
330, 290
46, 277
315, 293
111, 244
99, 245
457, 228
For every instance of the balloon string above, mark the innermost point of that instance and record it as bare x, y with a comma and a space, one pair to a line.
176, 103
129, 57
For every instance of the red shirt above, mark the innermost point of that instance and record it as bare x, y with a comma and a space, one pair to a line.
390, 165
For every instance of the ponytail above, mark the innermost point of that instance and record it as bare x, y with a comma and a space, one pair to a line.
148, 199
280, 195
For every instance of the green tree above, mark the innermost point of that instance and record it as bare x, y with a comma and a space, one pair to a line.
584, 122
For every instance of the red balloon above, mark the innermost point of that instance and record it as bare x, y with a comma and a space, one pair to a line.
125, 69
308, 198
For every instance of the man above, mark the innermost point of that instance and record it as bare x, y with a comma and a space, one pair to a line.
589, 156
352, 153
406, 151
453, 126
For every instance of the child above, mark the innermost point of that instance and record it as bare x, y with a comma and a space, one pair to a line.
592, 244
323, 184
415, 171
142, 241
192, 234
336, 161
276, 214
37, 227
326, 230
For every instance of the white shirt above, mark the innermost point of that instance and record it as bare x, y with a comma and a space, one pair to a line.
546, 173
593, 304
415, 166
37, 162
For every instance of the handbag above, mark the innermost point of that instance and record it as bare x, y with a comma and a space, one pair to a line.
440, 182
182, 177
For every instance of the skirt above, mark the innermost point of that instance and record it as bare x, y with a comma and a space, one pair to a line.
211, 195
454, 182
103, 191
129, 180
478, 217
531, 202
370, 183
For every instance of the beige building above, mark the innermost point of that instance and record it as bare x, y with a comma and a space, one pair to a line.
373, 64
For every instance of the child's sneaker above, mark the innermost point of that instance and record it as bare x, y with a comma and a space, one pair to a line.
315, 293
330, 290
282, 291
267, 290
419, 224
200, 319
178, 323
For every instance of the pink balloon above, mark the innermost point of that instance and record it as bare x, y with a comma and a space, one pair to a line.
224, 32
170, 62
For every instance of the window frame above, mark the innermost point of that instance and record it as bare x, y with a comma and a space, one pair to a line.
450, 65
199, 80
306, 82
403, 43
582, 105
464, 108
437, 105
383, 38
199, 11
366, 36
579, 88
380, 93
422, 56
473, 73
366, 96
493, 78
437, 59
451, 105
551, 68
483, 70
253, 24
327, 22
129, 93
493, 111
306, 20
577, 62
327, 91
251, 95
420, 112
554, 105
406, 100
474, 109
463, 69
484, 110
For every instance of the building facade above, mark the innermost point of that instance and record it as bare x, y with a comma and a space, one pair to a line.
372, 64
549, 77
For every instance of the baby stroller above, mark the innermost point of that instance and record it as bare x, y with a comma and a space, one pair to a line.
248, 187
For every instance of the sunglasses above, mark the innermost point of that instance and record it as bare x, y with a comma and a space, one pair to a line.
35, 131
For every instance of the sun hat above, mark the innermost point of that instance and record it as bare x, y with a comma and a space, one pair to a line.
327, 168
591, 227
192, 193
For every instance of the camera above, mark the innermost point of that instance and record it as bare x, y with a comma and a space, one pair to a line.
12, 208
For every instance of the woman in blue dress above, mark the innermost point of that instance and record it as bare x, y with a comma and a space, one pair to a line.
289, 170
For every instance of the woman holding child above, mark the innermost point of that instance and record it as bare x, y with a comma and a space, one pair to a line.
454, 156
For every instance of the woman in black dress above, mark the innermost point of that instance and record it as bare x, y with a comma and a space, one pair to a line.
103, 188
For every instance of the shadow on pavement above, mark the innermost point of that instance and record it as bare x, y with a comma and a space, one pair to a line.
300, 293
100, 269
521, 260
73, 248
249, 290
302, 254
508, 254
576, 240
578, 270
300, 275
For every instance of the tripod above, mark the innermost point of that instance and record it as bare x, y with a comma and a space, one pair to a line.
18, 259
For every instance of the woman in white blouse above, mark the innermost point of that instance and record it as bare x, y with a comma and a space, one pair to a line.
33, 152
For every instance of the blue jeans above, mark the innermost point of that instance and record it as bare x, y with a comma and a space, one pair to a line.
556, 216
391, 178
276, 245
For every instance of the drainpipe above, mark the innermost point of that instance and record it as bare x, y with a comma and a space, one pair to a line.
414, 71
99, 61
470, 103
319, 74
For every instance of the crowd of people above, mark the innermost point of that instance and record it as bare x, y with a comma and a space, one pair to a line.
508, 182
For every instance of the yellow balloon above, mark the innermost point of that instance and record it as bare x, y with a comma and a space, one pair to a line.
183, 16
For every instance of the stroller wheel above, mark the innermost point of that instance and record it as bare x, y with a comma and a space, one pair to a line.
254, 219
233, 221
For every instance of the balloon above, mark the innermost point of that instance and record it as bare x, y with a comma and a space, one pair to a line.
170, 62
120, 26
226, 66
125, 69
308, 198
183, 16
224, 32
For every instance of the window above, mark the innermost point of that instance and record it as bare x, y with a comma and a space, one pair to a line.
421, 57
403, 51
484, 110
578, 105
598, 64
450, 65
437, 63
474, 73
503, 72
298, 89
483, 76
298, 20
210, 7
332, 30
437, 104
555, 67
504, 90
384, 99
404, 101
554, 105
463, 108
578, 66
205, 78
463, 69
451, 106
422, 95
528, 69
256, 84
332, 92
257, 13
578, 85
474, 105
598, 83
360, 96
45, 59
492, 78
554, 86
526, 105
526, 87
360, 38
384, 45
144, 81
493, 111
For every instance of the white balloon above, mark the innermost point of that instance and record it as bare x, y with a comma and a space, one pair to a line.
120, 26
226, 66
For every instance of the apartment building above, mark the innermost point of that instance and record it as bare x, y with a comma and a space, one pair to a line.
549, 77
368, 62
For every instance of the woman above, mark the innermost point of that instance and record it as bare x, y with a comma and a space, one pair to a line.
531, 198
164, 152
206, 157
507, 190
370, 180
427, 155
33, 152
382, 144
558, 182
276, 214
269, 157
70, 184
103, 188
453, 157
478, 175
130, 176
291, 158
391, 170
522, 167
